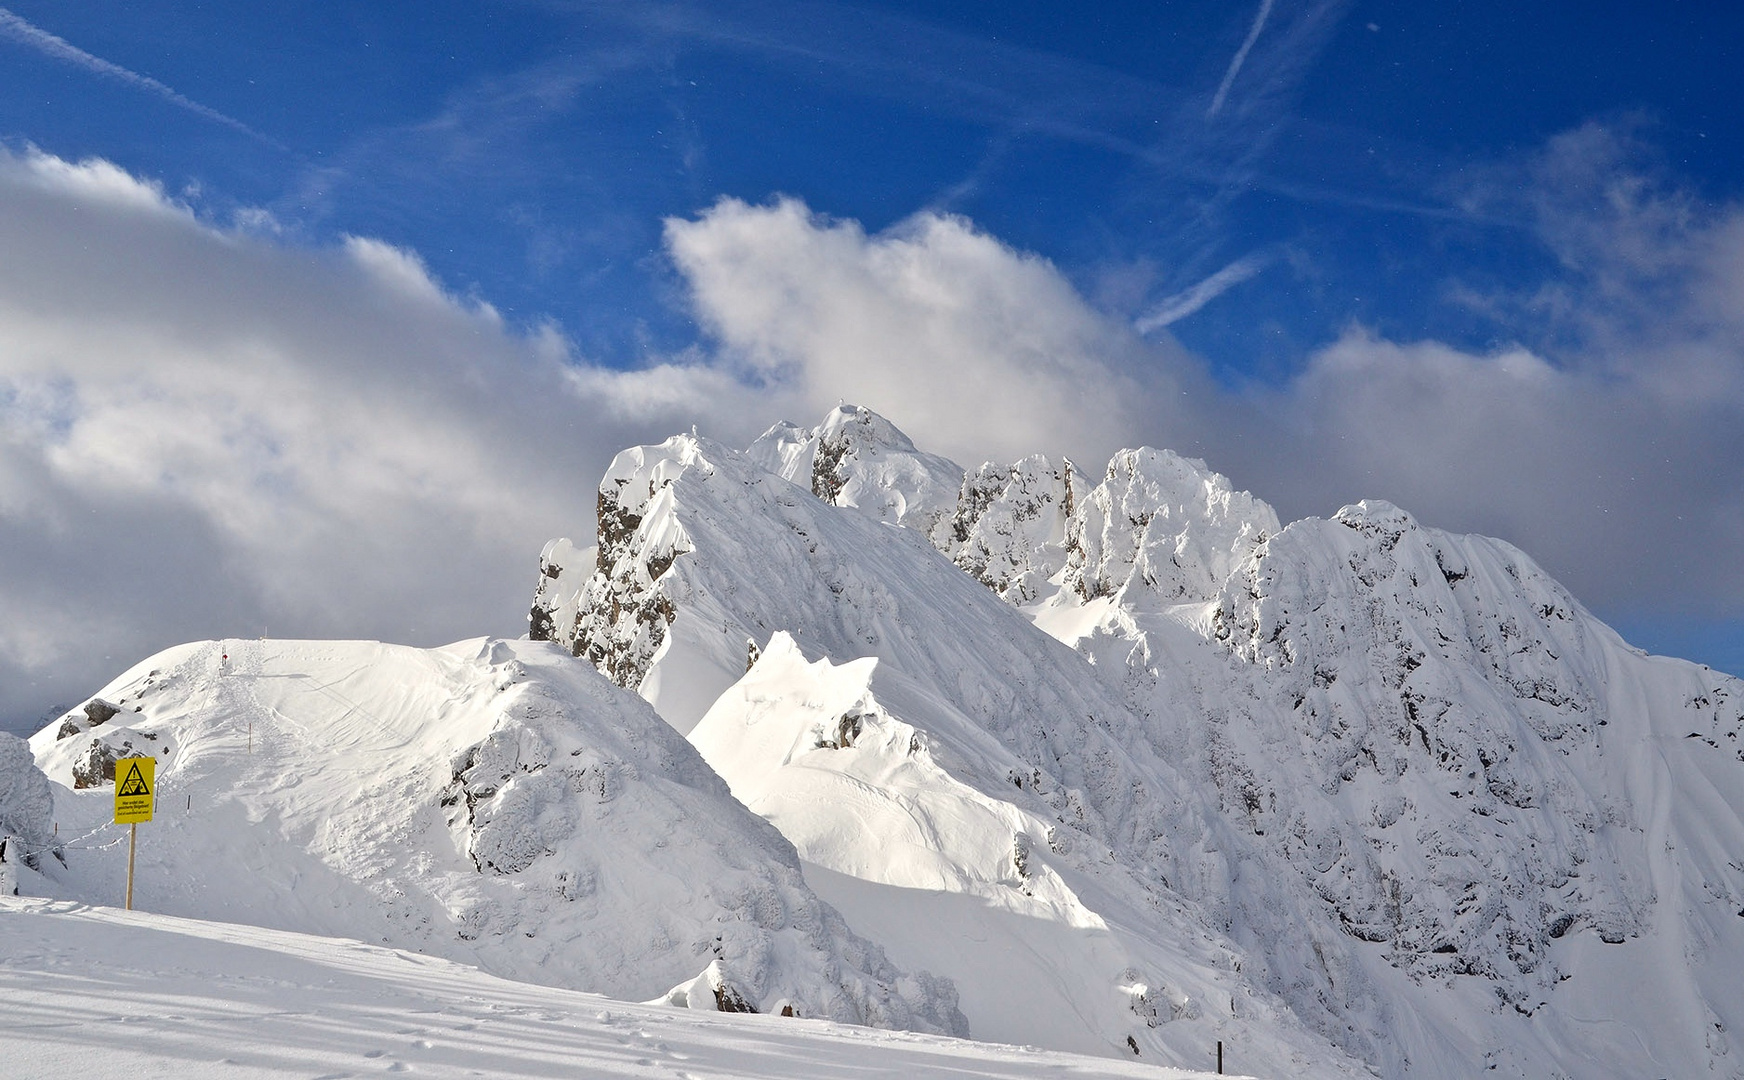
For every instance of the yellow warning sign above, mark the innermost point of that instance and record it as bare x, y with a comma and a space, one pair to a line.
135, 781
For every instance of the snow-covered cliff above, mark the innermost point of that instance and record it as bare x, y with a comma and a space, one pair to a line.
1491, 801
1432, 806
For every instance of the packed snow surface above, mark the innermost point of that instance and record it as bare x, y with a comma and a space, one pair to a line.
90, 991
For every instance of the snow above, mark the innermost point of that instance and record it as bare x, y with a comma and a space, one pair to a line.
1506, 845
26, 812
1163, 526
1112, 768
858, 458
1425, 805
492, 802
1008, 529
93, 991
998, 706
874, 781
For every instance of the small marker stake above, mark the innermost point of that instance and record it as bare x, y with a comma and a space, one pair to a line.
1219, 1057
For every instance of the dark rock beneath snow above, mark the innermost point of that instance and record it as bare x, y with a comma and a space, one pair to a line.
96, 766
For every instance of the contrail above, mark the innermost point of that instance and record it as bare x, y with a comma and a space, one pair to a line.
1253, 35
1187, 301
26, 33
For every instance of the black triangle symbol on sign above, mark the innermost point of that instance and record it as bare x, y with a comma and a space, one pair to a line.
133, 784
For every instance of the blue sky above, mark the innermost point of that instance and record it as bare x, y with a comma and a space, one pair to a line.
530, 151
1318, 224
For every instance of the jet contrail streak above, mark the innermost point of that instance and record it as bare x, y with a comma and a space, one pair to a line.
1187, 301
27, 33
1253, 35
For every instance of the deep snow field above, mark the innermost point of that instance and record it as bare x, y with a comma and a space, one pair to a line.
99, 992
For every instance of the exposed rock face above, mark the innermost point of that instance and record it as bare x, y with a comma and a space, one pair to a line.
96, 765
94, 713
1010, 525
616, 612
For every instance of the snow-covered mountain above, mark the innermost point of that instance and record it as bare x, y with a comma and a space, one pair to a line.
491, 802
1394, 787
1117, 764
1519, 837
26, 813
857, 458
706, 557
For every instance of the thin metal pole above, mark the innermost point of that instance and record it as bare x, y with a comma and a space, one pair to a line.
1219, 1057
132, 839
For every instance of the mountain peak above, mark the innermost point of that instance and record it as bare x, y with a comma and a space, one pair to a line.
857, 458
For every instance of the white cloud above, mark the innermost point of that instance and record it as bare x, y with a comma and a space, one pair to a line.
203, 432
975, 348
1614, 457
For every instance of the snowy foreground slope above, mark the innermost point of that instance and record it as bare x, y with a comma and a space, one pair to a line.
491, 802
1352, 780
100, 992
